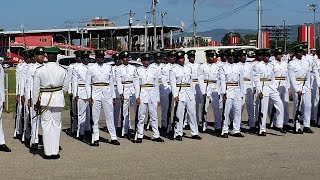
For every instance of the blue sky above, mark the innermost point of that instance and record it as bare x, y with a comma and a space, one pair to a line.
42, 14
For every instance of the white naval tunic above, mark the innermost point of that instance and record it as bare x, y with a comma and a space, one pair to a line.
264, 78
300, 72
181, 75
81, 88
194, 67
146, 82
50, 75
210, 73
102, 92
124, 78
282, 84
248, 98
35, 120
232, 85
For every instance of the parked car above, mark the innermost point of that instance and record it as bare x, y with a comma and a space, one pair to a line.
65, 61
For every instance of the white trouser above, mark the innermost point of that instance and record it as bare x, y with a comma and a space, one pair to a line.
83, 115
20, 118
51, 126
249, 101
107, 106
314, 104
275, 98
126, 113
233, 104
305, 108
284, 96
214, 98
164, 103
2, 141
116, 112
190, 105
35, 121
152, 108
198, 97
26, 118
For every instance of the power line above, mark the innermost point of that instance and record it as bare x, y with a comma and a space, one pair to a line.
292, 10
233, 11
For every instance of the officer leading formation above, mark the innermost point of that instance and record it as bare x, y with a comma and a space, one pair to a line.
182, 91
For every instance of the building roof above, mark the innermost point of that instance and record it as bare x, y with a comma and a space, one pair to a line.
107, 31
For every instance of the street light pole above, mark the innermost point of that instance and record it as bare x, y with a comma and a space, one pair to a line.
162, 30
259, 23
194, 23
285, 35
313, 8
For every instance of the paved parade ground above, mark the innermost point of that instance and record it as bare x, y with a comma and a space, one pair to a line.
276, 156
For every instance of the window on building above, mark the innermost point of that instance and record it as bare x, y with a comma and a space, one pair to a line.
43, 40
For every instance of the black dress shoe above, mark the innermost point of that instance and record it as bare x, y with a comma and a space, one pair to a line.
158, 139
115, 142
224, 135
307, 130
298, 132
47, 157
55, 156
139, 140
179, 138
238, 135
196, 137
281, 130
4, 148
262, 134
34, 147
95, 143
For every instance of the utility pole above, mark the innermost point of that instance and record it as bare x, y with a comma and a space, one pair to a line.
285, 35
162, 30
259, 23
194, 23
146, 33
154, 8
131, 14
313, 8
68, 25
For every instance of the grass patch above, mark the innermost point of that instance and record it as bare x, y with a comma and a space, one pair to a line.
12, 90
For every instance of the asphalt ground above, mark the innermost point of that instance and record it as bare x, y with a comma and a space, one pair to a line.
276, 156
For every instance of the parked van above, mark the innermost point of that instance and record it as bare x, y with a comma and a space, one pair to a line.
201, 56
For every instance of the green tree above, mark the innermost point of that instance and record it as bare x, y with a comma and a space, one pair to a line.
248, 37
225, 39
